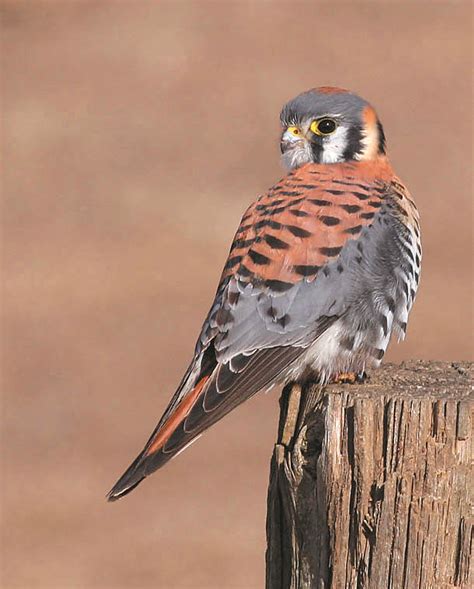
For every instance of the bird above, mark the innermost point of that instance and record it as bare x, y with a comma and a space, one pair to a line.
323, 269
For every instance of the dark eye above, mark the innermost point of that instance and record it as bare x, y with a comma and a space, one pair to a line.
324, 126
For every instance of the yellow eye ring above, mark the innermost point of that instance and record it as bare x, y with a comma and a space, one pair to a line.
294, 130
324, 126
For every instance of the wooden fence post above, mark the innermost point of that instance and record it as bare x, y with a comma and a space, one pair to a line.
371, 485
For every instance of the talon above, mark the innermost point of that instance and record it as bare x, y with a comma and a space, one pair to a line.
345, 378
350, 378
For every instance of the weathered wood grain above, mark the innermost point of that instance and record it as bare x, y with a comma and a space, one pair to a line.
371, 485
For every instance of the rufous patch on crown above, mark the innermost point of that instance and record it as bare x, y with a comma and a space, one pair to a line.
330, 90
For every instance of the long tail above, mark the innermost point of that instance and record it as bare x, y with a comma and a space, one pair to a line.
154, 455
201, 401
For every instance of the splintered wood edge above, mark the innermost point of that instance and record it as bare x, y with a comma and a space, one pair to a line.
293, 409
442, 394
416, 379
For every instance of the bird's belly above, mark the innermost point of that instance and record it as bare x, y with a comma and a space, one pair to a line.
340, 349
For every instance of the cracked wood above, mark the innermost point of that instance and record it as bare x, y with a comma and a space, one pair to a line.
371, 485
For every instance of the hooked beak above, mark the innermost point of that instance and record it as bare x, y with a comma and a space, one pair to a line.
295, 147
291, 137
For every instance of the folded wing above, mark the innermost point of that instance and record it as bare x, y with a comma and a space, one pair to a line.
281, 288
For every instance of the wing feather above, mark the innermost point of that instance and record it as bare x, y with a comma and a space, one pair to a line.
282, 287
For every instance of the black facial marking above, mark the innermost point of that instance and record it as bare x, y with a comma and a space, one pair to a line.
382, 142
354, 143
317, 150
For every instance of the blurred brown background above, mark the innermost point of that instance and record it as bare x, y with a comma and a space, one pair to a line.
135, 134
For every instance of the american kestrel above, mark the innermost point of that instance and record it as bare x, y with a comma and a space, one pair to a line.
323, 268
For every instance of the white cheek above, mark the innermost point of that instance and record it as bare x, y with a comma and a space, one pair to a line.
299, 155
334, 146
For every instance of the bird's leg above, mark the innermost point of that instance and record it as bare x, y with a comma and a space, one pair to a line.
350, 378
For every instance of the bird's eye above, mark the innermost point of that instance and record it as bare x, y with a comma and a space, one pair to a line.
324, 126
293, 130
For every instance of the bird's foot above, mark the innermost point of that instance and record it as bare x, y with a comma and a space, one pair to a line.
350, 378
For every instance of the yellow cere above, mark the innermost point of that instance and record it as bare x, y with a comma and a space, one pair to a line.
293, 130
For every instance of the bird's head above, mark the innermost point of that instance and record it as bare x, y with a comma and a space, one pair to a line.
329, 125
